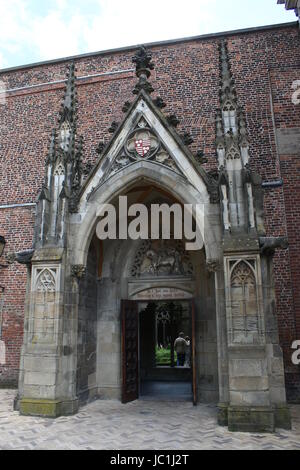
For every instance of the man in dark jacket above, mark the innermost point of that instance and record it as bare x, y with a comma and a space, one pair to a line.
180, 347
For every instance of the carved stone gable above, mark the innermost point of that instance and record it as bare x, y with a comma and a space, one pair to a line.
142, 143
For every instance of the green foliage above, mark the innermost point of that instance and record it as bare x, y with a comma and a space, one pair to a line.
163, 356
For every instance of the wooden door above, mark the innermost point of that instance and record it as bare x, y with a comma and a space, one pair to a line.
194, 369
130, 345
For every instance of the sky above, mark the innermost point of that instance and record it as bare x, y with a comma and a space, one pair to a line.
38, 30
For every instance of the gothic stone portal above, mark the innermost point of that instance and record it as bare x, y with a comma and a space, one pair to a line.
72, 329
130, 279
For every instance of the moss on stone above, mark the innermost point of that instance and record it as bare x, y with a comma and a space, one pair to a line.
45, 408
261, 420
222, 415
283, 418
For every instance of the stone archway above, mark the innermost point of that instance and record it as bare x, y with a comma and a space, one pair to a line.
150, 174
126, 273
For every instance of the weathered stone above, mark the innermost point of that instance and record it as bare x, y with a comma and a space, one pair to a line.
48, 408
288, 141
74, 323
223, 414
258, 419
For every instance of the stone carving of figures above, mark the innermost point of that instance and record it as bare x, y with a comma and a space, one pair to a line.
161, 261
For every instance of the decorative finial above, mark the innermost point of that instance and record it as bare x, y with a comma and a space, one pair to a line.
143, 62
227, 87
142, 59
68, 112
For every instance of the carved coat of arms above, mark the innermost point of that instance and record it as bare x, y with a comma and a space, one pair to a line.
143, 146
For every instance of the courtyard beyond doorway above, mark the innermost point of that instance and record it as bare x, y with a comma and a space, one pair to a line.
162, 374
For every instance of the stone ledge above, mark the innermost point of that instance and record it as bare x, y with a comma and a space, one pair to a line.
251, 419
283, 418
255, 419
223, 414
48, 408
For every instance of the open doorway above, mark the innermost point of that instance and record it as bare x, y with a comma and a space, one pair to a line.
165, 359
152, 365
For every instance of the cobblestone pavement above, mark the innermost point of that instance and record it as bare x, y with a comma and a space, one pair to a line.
142, 425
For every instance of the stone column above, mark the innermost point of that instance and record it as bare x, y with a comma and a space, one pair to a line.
47, 376
216, 268
254, 362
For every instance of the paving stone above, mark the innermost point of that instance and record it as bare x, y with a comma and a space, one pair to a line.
109, 425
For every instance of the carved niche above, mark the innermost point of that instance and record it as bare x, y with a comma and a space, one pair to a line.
44, 303
158, 258
142, 144
244, 309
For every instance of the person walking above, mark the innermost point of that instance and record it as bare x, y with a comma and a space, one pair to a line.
179, 347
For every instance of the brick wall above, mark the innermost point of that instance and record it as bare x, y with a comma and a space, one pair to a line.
17, 227
264, 63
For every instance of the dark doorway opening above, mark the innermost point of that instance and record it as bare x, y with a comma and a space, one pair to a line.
164, 373
142, 374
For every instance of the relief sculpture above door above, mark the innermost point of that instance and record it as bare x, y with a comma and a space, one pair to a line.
162, 258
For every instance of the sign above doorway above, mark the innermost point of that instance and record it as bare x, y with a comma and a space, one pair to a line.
163, 293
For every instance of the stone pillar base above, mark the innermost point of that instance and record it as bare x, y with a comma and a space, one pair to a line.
16, 404
283, 418
251, 419
223, 414
48, 408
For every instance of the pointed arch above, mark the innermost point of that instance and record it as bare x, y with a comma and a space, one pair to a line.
59, 169
83, 231
233, 154
229, 112
46, 281
246, 262
245, 322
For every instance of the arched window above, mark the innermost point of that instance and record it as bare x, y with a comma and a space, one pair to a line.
229, 118
233, 154
59, 170
64, 136
46, 281
244, 303
45, 300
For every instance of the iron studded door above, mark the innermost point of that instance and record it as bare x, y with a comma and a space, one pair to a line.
130, 360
